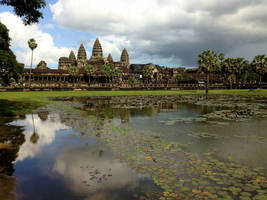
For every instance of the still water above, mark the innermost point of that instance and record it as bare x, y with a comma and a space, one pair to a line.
116, 148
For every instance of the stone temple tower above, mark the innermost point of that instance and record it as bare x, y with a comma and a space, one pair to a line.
72, 58
110, 59
97, 53
125, 58
81, 57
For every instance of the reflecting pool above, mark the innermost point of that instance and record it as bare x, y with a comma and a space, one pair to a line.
138, 147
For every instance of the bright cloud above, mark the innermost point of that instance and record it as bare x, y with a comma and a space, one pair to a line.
46, 131
46, 50
170, 29
75, 165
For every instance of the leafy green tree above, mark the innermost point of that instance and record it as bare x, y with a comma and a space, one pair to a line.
32, 45
208, 62
9, 67
260, 65
73, 70
90, 70
147, 72
28, 10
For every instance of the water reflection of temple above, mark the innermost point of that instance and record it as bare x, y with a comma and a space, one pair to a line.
123, 107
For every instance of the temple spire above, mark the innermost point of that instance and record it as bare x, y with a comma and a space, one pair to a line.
110, 59
82, 53
125, 57
72, 56
97, 49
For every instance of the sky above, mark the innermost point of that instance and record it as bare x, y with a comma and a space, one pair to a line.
166, 32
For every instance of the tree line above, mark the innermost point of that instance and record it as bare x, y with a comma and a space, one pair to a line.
109, 71
232, 70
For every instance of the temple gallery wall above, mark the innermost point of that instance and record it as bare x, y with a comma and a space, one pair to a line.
79, 71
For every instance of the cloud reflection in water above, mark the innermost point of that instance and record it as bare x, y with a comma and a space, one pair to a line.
78, 165
46, 131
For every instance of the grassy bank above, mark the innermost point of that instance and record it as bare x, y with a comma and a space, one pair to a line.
23, 102
42, 95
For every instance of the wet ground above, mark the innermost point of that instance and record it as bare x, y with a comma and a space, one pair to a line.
153, 147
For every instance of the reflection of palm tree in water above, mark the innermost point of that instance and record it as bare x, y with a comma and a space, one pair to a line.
35, 136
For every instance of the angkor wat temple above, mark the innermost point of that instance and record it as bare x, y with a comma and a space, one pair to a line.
43, 77
97, 59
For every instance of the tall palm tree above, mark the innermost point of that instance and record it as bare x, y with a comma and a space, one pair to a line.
178, 77
208, 62
249, 75
239, 68
116, 73
147, 71
32, 45
260, 65
90, 70
73, 70
111, 71
106, 71
228, 70
34, 138
221, 58
245, 71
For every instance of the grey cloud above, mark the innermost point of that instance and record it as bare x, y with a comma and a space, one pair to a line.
219, 7
225, 26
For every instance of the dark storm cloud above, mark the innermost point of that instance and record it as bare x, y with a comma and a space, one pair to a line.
179, 30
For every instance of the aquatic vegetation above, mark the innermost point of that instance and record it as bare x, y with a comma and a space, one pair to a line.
179, 170
181, 173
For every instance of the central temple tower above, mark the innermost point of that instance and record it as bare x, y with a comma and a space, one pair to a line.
97, 53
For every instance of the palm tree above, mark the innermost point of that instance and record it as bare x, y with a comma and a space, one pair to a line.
147, 71
249, 75
132, 81
221, 58
178, 77
111, 71
116, 73
73, 70
260, 65
89, 70
106, 71
245, 71
208, 62
34, 138
32, 45
239, 68
228, 70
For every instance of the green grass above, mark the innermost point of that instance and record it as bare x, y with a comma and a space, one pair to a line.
23, 102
